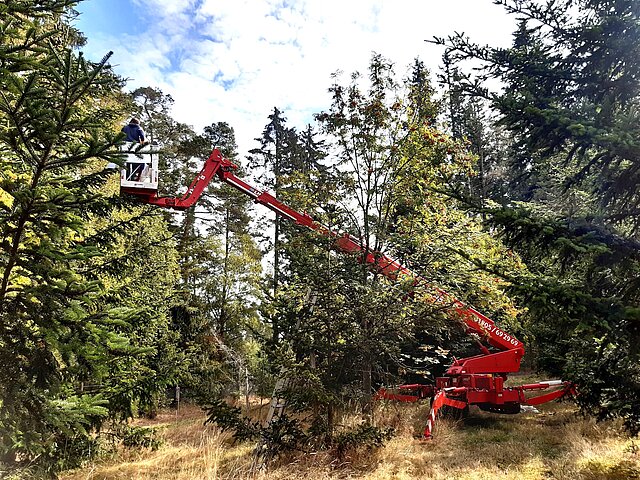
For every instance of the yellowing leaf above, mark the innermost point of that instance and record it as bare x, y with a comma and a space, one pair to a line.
5, 199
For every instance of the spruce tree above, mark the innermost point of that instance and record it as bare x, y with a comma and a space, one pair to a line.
85, 280
278, 146
570, 103
230, 285
55, 114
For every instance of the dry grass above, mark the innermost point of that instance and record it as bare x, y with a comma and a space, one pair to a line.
189, 450
555, 444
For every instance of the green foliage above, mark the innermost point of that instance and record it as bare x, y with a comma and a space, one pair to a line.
279, 155
139, 437
219, 265
362, 436
283, 435
584, 278
572, 81
228, 417
344, 327
368, 127
220, 280
46, 303
84, 285
286, 433
570, 105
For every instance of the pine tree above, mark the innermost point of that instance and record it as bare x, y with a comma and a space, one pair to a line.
219, 263
278, 146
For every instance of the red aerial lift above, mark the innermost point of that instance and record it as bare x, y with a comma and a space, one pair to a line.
477, 380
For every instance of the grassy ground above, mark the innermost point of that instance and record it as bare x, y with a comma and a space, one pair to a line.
553, 444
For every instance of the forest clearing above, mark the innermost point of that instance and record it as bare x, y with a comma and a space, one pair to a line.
556, 443
358, 288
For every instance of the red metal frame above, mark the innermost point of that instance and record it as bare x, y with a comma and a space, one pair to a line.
477, 380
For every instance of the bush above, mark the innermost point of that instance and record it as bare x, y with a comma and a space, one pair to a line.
363, 436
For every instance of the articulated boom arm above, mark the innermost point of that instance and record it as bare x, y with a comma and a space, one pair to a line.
477, 380
511, 349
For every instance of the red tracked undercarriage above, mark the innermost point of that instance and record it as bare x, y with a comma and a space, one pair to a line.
477, 380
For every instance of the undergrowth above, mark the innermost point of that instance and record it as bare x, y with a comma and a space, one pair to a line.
556, 443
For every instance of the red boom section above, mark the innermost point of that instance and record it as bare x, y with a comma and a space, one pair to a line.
511, 349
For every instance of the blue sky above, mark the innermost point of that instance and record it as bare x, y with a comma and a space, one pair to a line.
234, 60
100, 16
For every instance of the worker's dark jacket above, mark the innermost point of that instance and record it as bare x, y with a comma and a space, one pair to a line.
134, 133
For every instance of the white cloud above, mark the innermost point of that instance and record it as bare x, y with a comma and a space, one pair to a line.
165, 8
234, 60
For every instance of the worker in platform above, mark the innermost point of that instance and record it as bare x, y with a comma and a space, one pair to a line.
134, 132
